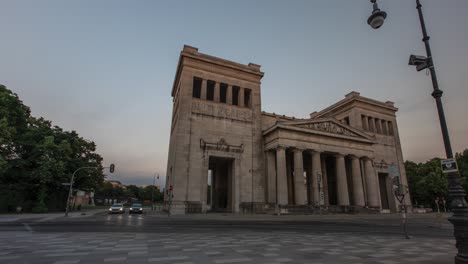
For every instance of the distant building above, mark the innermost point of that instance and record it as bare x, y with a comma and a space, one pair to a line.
225, 154
114, 183
82, 198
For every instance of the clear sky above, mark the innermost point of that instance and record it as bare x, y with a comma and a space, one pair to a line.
105, 68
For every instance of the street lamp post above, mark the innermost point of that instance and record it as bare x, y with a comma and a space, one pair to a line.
71, 187
111, 170
459, 207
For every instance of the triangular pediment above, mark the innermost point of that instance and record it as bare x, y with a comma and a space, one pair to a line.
329, 126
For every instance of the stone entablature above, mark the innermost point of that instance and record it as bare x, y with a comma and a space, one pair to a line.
221, 145
221, 111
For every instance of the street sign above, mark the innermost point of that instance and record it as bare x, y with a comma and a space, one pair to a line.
170, 188
449, 165
322, 199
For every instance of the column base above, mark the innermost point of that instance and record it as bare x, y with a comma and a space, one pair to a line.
177, 208
254, 207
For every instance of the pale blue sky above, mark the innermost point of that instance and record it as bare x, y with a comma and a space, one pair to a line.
105, 68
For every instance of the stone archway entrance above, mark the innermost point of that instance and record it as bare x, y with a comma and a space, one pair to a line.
220, 189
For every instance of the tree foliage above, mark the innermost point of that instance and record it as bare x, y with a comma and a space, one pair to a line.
108, 191
36, 158
427, 182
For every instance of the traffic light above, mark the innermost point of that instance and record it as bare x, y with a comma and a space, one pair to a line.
112, 168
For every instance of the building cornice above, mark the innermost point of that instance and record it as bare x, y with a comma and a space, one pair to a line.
192, 52
354, 97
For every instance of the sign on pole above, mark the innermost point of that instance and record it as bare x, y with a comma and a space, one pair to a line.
449, 165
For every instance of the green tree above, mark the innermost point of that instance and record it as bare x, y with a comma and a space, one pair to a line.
133, 191
426, 180
462, 162
35, 158
148, 192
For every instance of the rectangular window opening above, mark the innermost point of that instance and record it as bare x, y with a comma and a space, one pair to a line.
384, 127
210, 86
346, 120
235, 95
223, 92
196, 91
247, 93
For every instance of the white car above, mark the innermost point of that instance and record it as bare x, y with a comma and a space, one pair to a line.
117, 209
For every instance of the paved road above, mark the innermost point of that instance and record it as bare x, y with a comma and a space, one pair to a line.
155, 238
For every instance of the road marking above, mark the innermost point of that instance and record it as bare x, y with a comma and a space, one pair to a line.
168, 258
27, 227
115, 259
67, 254
233, 260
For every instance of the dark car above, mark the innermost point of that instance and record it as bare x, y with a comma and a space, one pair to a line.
116, 209
135, 209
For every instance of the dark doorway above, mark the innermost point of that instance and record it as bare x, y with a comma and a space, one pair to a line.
383, 190
330, 162
220, 184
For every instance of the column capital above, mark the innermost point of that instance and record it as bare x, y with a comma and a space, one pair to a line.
313, 151
367, 158
298, 149
281, 147
353, 156
339, 155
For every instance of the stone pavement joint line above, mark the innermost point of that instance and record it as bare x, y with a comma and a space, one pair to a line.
223, 248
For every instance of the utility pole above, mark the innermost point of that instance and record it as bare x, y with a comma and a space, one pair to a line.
152, 192
111, 170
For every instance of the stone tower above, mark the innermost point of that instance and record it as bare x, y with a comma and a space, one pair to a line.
215, 159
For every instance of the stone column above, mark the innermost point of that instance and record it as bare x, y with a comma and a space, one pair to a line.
371, 184
204, 181
365, 123
282, 183
203, 89
271, 177
341, 181
326, 201
371, 124
229, 95
357, 182
378, 127
241, 97
216, 92
300, 195
316, 173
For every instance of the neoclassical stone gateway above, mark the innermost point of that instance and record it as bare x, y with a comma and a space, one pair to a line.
225, 154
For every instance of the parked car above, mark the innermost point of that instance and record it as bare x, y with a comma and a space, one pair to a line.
117, 209
135, 209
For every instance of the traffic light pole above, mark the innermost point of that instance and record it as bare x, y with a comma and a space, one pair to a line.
71, 187
67, 208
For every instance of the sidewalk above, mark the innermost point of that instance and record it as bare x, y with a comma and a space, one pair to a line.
6, 218
267, 217
430, 219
